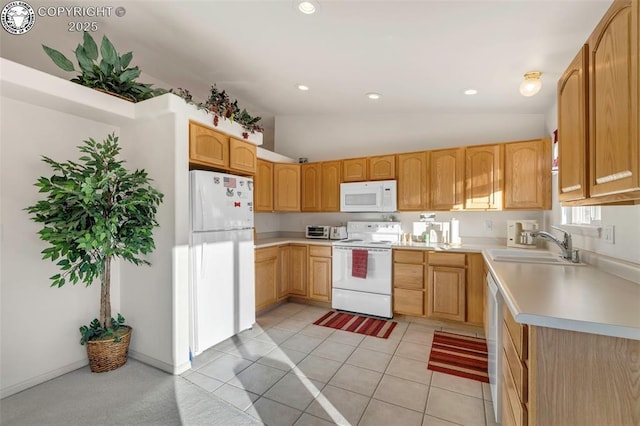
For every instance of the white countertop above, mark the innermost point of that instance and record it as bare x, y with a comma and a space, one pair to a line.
270, 242
576, 298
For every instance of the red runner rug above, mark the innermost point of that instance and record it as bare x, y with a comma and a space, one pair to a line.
357, 324
459, 355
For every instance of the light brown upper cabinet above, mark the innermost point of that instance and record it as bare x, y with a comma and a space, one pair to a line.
572, 130
413, 183
263, 186
528, 174
286, 187
354, 170
382, 167
484, 182
242, 156
311, 187
208, 147
614, 89
446, 174
330, 194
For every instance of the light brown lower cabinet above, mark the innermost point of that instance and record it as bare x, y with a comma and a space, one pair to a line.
320, 273
562, 377
438, 285
267, 265
408, 282
300, 270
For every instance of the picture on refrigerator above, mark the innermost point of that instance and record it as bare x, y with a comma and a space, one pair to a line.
221, 251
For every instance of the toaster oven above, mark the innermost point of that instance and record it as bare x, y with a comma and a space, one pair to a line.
320, 232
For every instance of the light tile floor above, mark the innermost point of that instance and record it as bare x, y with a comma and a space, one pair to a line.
287, 371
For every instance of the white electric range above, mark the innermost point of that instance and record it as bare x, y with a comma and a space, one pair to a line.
370, 295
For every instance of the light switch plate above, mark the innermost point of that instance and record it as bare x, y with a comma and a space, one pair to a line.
608, 234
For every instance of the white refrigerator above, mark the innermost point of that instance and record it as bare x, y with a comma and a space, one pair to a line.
222, 289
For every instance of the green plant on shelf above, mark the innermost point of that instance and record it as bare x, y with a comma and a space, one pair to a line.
104, 69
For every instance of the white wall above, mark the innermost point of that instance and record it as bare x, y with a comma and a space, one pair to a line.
332, 137
39, 324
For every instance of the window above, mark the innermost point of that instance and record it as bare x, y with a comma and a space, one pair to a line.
581, 215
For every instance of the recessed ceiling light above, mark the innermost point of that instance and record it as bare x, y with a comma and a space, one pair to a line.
307, 7
374, 95
471, 92
302, 87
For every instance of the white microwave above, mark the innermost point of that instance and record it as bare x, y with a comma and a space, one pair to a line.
374, 196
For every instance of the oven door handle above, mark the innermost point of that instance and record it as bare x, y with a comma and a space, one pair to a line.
370, 249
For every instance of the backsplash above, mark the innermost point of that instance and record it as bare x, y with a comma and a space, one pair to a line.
472, 224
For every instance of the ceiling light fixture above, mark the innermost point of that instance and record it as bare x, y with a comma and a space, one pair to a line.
307, 7
302, 87
471, 92
374, 95
531, 84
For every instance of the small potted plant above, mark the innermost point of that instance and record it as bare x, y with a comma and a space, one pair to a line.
105, 70
95, 211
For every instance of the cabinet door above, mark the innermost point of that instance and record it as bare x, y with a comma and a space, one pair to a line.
528, 175
354, 170
242, 156
572, 130
382, 167
474, 293
408, 302
284, 280
311, 187
484, 184
320, 278
263, 188
412, 181
267, 265
208, 147
330, 193
446, 169
446, 293
286, 190
614, 89
298, 270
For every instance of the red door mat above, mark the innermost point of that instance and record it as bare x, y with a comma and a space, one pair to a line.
357, 324
459, 355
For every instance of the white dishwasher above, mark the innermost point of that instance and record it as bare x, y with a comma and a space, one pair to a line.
494, 346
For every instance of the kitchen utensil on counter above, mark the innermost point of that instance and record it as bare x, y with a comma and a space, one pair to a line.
520, 233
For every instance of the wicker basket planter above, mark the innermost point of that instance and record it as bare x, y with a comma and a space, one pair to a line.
107, 355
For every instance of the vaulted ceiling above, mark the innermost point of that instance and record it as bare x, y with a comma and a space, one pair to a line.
420, 55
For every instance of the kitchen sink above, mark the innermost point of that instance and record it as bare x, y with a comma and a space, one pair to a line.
529, 256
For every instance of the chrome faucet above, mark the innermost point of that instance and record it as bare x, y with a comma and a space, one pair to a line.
565, 245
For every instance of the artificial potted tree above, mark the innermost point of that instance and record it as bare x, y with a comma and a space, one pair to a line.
96, 211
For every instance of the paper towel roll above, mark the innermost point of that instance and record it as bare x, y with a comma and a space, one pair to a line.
455, 232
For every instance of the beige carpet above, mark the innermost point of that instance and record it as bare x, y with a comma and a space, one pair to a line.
135, 394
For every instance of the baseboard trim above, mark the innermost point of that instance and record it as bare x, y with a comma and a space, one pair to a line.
29, 383
161, 365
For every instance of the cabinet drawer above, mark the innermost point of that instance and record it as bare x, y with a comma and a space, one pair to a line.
447, 259
410, 302
266, 253
320, 251
516, 367
408, 256
508, 419
518, 332
518, 409
408, 276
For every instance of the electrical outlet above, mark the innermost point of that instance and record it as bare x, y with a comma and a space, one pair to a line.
488, 225
608, 234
